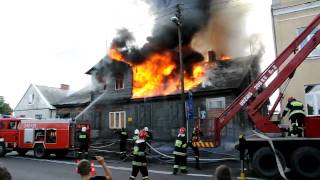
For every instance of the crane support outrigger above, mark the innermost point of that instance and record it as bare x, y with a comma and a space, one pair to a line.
252, 100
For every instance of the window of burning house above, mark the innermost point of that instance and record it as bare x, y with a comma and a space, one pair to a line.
117, 120
312, 99
316, 51
119, 82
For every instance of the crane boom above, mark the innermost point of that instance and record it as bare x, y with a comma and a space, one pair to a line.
251, 100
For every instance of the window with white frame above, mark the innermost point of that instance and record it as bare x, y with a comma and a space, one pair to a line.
117, 120
312, 98
216, 103
316, 51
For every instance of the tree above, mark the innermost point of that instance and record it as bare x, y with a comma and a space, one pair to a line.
4, 107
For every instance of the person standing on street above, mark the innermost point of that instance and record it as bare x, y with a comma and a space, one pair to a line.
123, 136
139, 162
196, 138
149, 138
180, 152
296, 116
83, 142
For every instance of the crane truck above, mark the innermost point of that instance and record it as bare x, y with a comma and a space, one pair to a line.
300, 154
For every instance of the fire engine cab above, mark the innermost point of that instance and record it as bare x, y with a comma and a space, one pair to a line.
44, 137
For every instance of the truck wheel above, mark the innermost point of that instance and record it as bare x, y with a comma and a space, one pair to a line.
39, 151
264, 162
306, 162
2, 150
22, 152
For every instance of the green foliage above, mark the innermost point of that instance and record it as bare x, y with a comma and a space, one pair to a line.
4, 107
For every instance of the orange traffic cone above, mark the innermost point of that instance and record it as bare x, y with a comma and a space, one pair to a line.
77, 162
93, 169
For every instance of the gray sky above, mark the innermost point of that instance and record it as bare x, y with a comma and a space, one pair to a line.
52, 42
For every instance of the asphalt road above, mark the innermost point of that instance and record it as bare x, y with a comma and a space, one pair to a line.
29, 168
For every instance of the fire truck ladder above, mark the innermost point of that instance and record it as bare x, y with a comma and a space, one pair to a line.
255, 95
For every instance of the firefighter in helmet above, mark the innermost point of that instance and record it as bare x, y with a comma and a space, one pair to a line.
296, 116
196, 133
135, 136
83, 142
123, 136
139, 162
149, 137
180, 152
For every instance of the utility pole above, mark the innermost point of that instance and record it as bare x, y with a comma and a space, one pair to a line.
177, 19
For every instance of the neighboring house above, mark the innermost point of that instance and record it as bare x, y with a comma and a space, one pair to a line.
290, 18
38, 101
116, 108
73, 104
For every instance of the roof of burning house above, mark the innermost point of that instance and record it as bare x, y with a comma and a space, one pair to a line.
82, 96
52, 94
230, 74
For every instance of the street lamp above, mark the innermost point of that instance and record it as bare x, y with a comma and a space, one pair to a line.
177, 20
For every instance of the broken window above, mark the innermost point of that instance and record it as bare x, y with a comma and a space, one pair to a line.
119, 82
117, 120
312, 98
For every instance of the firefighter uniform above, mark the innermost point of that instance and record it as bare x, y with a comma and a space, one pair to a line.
123, 135
196, 138
296, 116
139, 162
83, 142
180, 152
149, 138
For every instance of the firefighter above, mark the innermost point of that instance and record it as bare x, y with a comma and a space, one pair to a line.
180, 152
296, 116
196, 133
83, 142
139, 162
123, 136
135, 136
149, 137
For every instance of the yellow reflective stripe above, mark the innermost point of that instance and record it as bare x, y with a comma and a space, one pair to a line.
82, 136
178, 143
296, 103
132, 177
124, 133
146, 177
297, 111
135, 163
179, 153
286, 109
183, 167
184, 145
139, 153
175, 166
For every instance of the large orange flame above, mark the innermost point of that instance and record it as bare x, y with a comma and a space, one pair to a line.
158, 75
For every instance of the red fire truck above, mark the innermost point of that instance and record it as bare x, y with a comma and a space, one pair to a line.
44, 137
302, 155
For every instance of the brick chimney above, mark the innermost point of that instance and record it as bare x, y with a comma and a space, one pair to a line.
64, 86
212, 56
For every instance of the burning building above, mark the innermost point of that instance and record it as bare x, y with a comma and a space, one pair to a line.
140, 86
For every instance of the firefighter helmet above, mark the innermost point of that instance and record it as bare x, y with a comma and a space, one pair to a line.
290, 99
143, 134
182, 130
83, 129
136, 131
146, 128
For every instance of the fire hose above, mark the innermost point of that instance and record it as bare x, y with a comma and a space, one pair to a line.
279, 165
